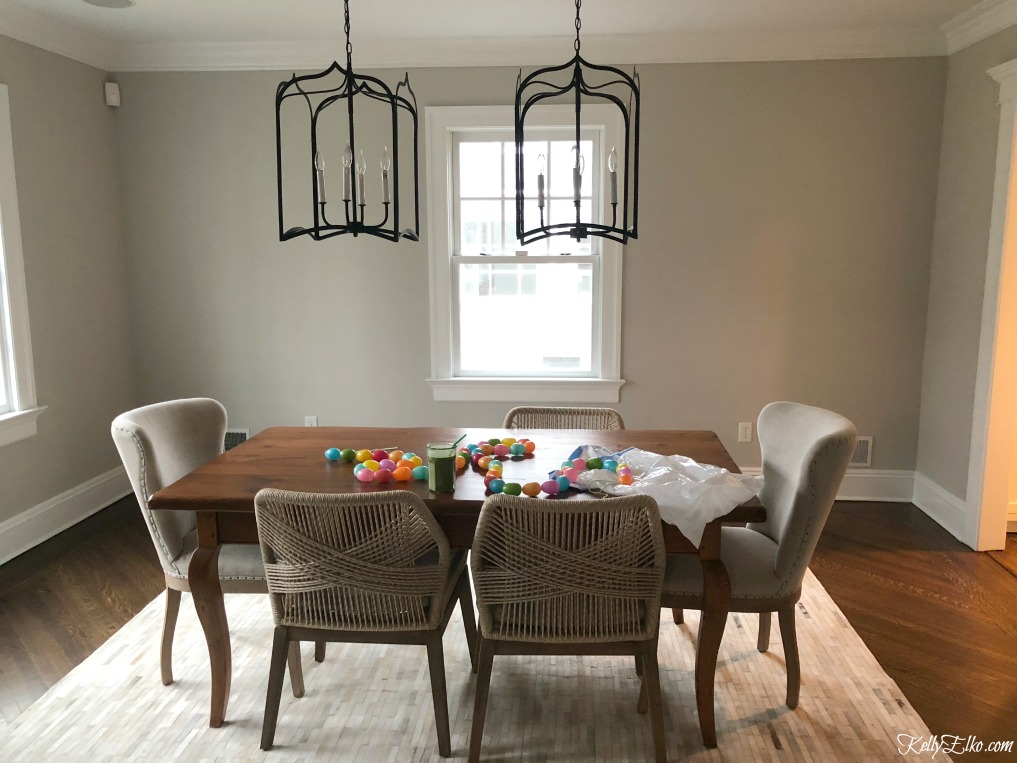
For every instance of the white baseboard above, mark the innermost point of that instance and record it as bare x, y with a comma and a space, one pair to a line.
42, 522
949, 511
890, 485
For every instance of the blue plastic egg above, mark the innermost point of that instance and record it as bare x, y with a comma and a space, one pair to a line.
496, 485
517, 449
332, 454
420, 472
564, 483
358, 467
610, 464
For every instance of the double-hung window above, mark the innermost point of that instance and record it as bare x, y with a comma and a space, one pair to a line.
534, 323
18, 409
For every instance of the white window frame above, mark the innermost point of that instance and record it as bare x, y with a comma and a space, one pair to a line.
442, 124
18, 414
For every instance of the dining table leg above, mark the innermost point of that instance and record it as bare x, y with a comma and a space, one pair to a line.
716, 605
203, 579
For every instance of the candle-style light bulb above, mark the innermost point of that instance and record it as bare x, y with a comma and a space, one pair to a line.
386, 165
540, 180
319, 176
577, 174
361, 178
347, 172
612, 165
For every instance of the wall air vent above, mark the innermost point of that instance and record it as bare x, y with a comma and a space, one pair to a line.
863, 452
234, 437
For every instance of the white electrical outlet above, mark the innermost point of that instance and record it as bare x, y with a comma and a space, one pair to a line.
745, 431
310, 421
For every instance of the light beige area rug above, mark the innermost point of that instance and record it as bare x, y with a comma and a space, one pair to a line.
373, 703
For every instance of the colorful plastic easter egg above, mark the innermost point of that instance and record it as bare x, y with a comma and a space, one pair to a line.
358, 467
365, 475
494, 441
610, 464
387, 463
372, 464
407, 464
477, 455
363, 455
409, 456
517, 449
531, 489
501, 450
530, 446
492, 474
564, 483
572, 475
625, 479
473, 446
496, 485
396, 455
595, 463
512, 488
332, 454
419, 472
551, 487
402, 474
417, 460
383, 474
623, 470
460, 462
348, 454
486, 448
567, 465
495, 465
508, 441
484, 461
579, 463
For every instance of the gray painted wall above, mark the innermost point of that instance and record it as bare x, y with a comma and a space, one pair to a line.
959, 251
65, 164
786, 222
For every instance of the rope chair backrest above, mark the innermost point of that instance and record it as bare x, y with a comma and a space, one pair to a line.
357, 562
536, 417
568, 572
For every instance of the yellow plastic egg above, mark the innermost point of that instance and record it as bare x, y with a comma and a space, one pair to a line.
363, 455
372, 464
509, 441
417, 461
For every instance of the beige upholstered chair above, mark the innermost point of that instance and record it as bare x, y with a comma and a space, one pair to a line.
534, 417
805, 454
372, 567
158, 445
556, 577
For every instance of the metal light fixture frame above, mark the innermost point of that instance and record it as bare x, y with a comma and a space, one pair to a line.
319, 97
533, 89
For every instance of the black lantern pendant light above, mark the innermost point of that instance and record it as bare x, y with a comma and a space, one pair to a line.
338, 87
593, 83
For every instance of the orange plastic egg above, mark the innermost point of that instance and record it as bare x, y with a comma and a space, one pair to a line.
460, 462
484, 461
531, 489
493, 475
625, 479
396, 455
402, 474
487, 449
404, 462
530, 446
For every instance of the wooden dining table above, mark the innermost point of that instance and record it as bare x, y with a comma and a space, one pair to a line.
221, 493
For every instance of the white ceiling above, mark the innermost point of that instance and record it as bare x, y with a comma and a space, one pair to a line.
239, 34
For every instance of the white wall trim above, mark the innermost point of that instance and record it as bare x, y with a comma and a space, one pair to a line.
978, 22
946, 509
19, 425
885, 485
48, 33
507, 390
42, 522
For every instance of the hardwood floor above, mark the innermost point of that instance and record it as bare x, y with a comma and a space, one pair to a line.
940, 618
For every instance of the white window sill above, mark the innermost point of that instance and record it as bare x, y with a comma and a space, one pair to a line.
526, 390
19, 425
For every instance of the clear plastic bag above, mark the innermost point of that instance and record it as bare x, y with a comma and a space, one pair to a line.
690, 494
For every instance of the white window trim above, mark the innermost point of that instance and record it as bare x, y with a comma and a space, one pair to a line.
441, 123
21, 423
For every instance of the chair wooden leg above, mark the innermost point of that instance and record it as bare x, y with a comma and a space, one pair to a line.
651, 684
786, 620
439, 694
275, 682
469, 617
480, 701
169, 625
678, 615
763, 640
319, 651
296, 669
639, 665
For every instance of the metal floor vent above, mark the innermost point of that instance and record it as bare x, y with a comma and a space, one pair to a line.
234, 437
863, 452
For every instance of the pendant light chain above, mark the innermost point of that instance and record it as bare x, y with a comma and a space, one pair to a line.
579, 23
349, 45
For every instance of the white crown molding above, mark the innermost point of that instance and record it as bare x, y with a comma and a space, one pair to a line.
538, 51
978, 22
47, 33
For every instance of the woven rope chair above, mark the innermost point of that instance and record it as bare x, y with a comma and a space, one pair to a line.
371, 568
535, 417
569, 578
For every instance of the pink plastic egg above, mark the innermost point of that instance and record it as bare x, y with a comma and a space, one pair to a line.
579, 463
623, 471
365, 475
572, 474
501, 450
551, 487
387, 463
382, 475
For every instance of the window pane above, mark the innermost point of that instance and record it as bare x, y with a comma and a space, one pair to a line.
480, 227
552, 302
532, 149
479, 169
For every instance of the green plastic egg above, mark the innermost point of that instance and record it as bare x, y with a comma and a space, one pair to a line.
594, 463
347, 454
512, 488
